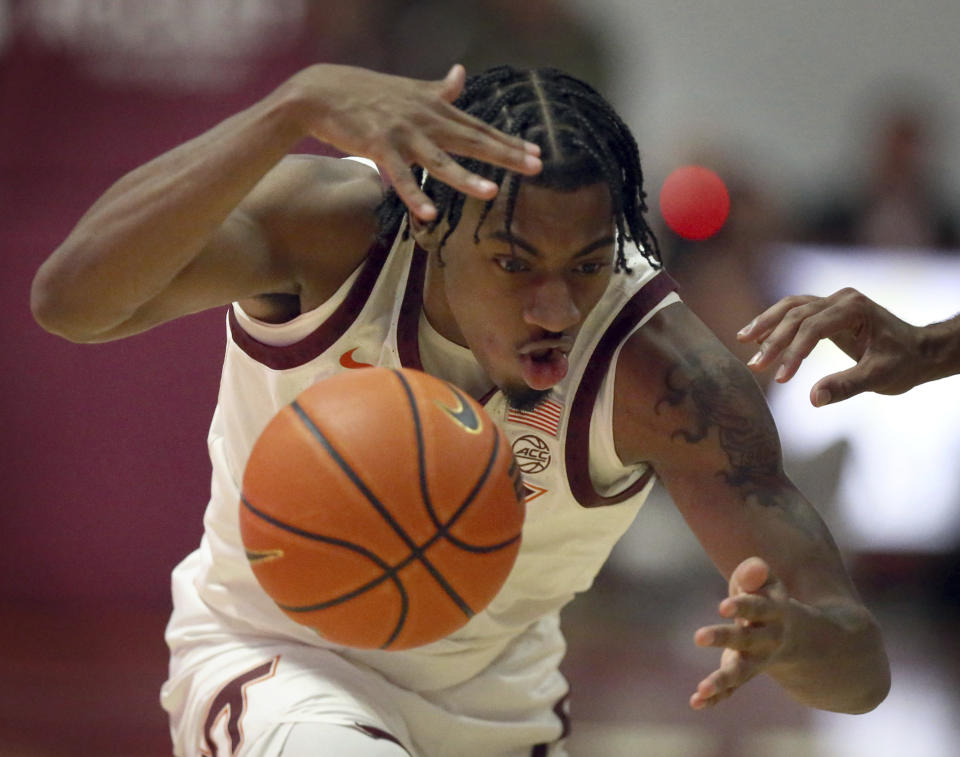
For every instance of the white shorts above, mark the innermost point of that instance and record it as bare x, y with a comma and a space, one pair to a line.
238, 694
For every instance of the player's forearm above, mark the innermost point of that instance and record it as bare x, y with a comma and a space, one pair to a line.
155, 220
940, 348
838, 663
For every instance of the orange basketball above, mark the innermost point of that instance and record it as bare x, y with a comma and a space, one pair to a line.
382, 508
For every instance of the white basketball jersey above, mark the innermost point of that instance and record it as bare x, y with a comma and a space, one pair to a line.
579, 498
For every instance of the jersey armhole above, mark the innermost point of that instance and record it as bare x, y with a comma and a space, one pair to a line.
609, 475
289, 332
580, 454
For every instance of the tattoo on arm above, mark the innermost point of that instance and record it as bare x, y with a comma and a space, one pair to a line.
719, 396
719, 401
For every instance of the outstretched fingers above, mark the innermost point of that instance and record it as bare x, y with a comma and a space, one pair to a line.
476, 138
418, 148
785, 336
759, 639
451, 85
462, 134
788, 332
734, 671
442, 131
760, 327
755, 633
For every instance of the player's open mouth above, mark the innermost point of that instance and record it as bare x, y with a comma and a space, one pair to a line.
544, 363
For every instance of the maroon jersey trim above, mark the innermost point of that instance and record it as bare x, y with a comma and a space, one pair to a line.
577, 453
408, 322
320, 339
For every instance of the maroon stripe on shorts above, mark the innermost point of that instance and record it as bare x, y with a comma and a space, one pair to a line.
378, 733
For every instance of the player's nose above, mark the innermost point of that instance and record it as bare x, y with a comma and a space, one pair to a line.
551, 305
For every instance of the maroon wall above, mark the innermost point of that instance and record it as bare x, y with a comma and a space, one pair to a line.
102, 448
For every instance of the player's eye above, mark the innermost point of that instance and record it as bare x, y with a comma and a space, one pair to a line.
590, 267
511, 263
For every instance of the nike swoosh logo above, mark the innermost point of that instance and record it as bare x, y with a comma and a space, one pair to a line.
463, 414
347, 361
256, 556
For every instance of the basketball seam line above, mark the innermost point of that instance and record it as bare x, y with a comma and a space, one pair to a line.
389, 571
384, 513
443, 529
425, 495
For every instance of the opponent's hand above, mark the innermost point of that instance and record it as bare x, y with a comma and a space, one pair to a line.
886, 348
398, 122
763, 617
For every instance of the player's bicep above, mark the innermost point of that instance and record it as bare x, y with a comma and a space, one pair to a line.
683, 397
304, 227
698, 416
237, 264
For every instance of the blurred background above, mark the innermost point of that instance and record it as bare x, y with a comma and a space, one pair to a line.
835, 127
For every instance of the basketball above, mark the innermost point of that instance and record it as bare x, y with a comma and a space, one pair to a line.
382, 508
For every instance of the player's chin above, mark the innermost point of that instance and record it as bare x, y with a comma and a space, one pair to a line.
524, 397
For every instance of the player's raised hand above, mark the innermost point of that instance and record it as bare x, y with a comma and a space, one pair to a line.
762, 617
886, 349
398, 122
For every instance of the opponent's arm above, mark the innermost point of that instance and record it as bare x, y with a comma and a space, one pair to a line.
892, 356
200, 225
688, 407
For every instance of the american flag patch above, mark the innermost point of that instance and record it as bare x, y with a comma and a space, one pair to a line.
546, 417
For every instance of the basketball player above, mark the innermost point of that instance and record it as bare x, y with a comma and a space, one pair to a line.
529, 277
892, 356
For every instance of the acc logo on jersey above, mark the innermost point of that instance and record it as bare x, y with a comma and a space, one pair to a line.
532, 453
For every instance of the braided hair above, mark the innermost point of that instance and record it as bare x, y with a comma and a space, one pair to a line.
582, 141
